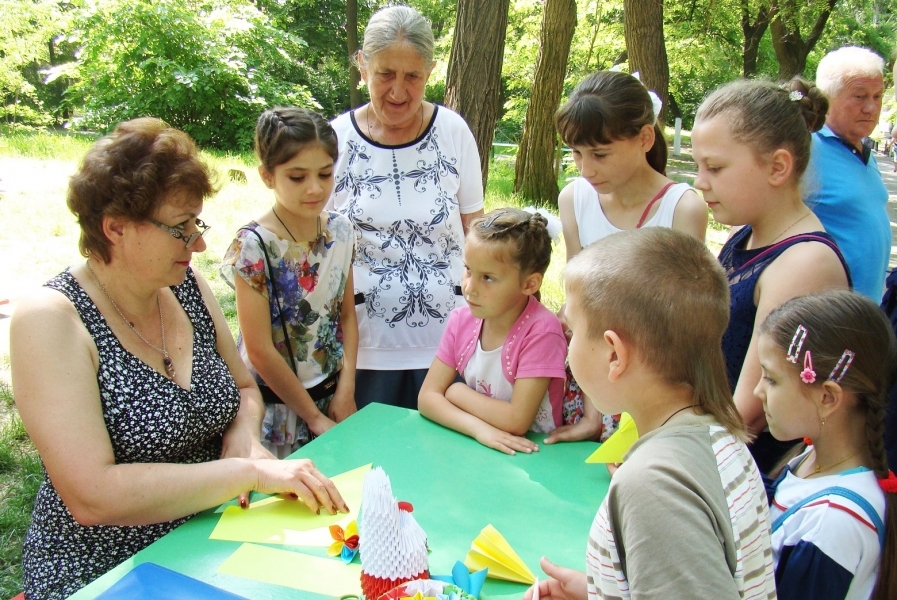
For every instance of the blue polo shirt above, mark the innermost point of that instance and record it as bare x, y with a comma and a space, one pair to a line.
845, 190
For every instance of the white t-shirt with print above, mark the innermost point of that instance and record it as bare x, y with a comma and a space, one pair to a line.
405, 203
483, 373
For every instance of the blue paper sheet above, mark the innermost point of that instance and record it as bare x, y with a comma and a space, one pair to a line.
150, 581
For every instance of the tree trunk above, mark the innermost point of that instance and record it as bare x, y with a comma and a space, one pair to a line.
535, 177
473, 81
784, 25
643, 29
352, 44
753, 30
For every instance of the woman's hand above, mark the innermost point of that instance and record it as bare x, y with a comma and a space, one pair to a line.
300, 479
565, 584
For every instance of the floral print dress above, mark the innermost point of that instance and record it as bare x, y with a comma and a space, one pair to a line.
310, 279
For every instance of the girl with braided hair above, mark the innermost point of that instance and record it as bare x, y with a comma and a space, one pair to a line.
827, 362
499, 369
291, 270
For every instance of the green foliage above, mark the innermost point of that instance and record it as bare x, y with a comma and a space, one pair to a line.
28, 37
207, 68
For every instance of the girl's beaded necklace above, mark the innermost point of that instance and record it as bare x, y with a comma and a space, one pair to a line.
166, 359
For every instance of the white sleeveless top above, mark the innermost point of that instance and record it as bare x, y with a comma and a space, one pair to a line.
593, 224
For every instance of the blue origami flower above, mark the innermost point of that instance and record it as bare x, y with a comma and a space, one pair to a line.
470, 583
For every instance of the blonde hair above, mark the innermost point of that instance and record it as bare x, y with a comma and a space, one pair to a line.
768, 116
663, 292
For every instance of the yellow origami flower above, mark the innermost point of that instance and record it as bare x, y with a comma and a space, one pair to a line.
346, 544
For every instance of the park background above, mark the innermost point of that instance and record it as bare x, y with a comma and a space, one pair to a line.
71, 69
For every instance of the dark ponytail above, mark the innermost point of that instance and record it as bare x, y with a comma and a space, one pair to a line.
608, 106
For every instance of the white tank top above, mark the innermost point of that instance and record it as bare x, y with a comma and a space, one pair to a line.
593, 224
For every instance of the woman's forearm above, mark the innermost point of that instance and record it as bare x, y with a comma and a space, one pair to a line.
145, 493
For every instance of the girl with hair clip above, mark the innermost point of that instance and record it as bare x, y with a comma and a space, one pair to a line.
499, 369
751, 143
827, 360
610, 124
291, 270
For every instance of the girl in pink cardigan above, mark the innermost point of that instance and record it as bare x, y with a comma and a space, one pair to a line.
499, 369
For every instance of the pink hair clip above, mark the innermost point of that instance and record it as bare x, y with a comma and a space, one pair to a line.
840, 369
797, 342
808, 375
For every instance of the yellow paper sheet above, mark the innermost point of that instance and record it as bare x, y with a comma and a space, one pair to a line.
491, 550
618, 444
279, 521
291, 569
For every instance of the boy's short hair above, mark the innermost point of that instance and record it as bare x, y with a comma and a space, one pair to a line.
662, 291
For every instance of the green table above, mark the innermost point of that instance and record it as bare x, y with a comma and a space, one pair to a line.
542, 503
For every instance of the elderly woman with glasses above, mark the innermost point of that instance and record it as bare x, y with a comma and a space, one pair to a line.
127, 378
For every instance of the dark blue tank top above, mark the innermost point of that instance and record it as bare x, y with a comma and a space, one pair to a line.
743, 269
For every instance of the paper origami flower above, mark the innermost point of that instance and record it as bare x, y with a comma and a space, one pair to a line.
346, 544
426, 589
471, 583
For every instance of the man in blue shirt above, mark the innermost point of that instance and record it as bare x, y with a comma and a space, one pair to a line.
844, 187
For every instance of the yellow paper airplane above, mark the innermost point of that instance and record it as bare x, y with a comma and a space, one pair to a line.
618, 444
491, 550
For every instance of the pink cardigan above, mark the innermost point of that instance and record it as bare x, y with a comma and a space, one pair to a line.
535, 347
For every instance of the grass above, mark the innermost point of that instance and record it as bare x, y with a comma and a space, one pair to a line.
20, 476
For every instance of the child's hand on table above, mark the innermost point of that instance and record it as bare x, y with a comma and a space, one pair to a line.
238, 442
320, 424
342, 406
495, 438
565, 584
589, 427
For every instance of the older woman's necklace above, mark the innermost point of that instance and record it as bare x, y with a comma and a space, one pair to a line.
166, 360
420, 126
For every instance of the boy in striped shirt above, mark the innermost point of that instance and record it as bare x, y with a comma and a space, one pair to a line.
686, 513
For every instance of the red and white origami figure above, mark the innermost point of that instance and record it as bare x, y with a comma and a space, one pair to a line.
393, 546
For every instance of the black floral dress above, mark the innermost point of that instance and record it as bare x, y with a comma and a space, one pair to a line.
150, 419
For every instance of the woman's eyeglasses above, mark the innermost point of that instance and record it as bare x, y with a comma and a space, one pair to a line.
189, 240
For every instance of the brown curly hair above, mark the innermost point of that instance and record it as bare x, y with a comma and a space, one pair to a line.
129, 173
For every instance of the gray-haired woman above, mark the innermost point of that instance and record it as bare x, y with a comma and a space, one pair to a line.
408, 177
